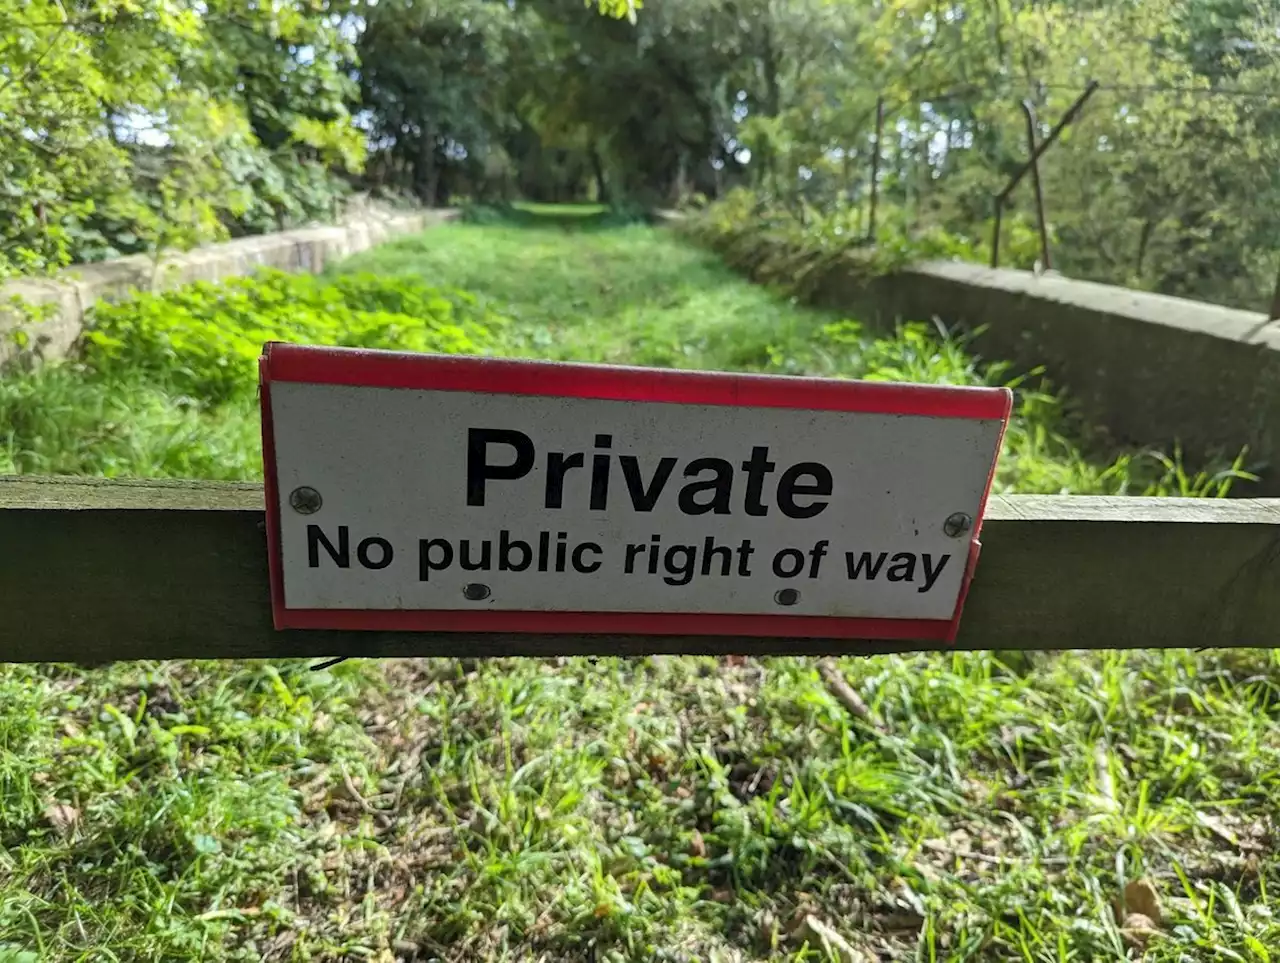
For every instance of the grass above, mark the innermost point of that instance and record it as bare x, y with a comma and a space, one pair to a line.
977, 807
588, 290
57, 421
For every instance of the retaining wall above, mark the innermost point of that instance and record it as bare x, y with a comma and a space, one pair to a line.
66, 297
1149, 368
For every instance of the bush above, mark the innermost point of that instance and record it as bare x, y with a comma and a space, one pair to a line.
165, 386
204, 339
796, 246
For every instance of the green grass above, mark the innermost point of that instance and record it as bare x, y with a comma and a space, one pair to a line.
663, 808
983, 807
560, 210
58, 421
638, 295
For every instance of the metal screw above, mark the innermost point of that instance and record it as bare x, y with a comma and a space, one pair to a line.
787, 596
305, 501
957, 524
475, 592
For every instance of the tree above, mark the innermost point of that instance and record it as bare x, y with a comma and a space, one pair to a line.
435, 80
139, 124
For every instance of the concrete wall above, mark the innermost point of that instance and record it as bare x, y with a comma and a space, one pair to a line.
1150, 369
61, 302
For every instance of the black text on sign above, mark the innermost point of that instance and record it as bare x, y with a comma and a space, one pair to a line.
446, 494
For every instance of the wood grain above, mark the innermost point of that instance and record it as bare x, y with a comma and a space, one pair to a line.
94, 570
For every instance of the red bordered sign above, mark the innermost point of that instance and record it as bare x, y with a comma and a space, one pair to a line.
450, 494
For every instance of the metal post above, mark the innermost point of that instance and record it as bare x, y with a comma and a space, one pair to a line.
1052, 136
1274, 313
875, 169
1031, 165
1030, 111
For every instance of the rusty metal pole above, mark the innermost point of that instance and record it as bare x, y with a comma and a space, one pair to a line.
1030, 111
875, 169
1274, 313
1031, 165
1049, 139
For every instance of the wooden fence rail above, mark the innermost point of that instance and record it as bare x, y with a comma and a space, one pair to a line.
94, 571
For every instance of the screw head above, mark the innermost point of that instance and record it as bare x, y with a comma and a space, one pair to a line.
787, 596
476, 592
957, 524
305, 500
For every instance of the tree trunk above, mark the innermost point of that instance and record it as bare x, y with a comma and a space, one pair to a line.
426, 175
769, 67
602, 186
1144, 239
680, 188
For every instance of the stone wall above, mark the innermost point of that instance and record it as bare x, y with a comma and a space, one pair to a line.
61, 301
1151, 369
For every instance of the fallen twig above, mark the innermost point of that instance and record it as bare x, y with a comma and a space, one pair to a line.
839, 687
356, 797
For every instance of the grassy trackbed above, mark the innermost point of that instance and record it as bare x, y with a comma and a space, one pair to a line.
975, 808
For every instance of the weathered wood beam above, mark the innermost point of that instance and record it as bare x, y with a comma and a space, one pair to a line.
94, 570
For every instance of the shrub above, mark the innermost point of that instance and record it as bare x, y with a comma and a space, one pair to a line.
204, 339
165, 385
797, 246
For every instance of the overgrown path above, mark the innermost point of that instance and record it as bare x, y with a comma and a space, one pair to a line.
583, 289
977, 807
579, 285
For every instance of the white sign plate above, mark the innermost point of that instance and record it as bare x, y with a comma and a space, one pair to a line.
431, 493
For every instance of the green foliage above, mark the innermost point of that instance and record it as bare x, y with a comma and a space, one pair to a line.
165, 386
639, 809
797, 248
151, 809
633, 295
205, 339
435, 77
1163, 182
63, 420
614, 809
137, 125
549, 100
621, 9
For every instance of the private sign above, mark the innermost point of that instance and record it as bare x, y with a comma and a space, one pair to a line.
449, 494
